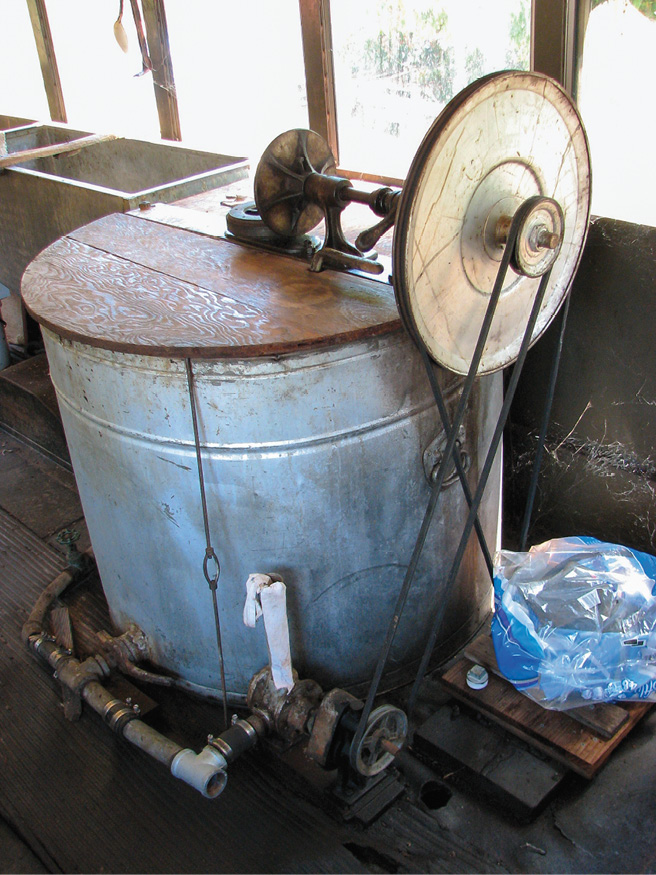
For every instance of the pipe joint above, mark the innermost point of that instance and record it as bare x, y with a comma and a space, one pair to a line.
240, 737
76, 675
37, 639
117, 715
204, 771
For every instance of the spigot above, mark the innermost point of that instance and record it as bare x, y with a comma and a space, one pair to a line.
68, 538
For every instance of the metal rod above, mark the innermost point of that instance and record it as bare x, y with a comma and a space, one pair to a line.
199, 460
462, 474
478, 495
439, 480
212, 580
546, 416
354, 195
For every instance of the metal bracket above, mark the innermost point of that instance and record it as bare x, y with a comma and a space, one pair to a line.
434, 453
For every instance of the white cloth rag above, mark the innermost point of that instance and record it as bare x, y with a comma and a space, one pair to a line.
268, 597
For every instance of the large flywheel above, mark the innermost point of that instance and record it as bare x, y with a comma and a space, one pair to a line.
507, 138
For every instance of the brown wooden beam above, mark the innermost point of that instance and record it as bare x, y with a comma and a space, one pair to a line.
557, 33
47, 59
319, 71
159, 50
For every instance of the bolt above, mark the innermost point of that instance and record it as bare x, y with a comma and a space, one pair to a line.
210, 739
477, 677
501, 230
136, 709
128, 701
547, 239
234, 719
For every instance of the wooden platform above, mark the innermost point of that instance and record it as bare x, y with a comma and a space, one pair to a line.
560, 734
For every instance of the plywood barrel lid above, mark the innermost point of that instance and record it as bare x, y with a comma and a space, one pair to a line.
132, 285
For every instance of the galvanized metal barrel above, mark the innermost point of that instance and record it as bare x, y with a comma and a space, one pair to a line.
318, 441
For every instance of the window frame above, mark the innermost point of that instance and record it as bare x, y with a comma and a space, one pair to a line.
557, 30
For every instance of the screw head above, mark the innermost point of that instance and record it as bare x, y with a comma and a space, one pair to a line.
477, 677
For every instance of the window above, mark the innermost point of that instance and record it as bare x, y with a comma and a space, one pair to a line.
19, 65
398, 63
616, 103
101, 86
238, 72
241, 77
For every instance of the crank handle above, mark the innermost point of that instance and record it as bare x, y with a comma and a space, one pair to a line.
366, 240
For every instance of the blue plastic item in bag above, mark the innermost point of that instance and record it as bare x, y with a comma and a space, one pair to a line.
575, 622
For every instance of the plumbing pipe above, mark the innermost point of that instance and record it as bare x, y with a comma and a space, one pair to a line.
204, 771
422, 780
35, 622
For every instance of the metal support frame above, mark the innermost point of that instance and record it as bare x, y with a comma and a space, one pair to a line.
478, 495
546, 416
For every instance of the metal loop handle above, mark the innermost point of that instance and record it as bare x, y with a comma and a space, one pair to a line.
210, 556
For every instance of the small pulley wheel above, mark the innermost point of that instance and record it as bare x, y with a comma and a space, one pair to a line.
385, 724
540, 237
245, 222
280, 181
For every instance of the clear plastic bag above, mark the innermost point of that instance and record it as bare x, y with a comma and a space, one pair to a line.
575, 622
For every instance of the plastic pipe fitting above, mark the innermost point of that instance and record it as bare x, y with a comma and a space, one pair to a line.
204, 771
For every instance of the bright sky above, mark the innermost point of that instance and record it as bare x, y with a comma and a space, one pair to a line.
617, 106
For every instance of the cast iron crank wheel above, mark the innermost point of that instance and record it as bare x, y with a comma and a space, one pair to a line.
280, 179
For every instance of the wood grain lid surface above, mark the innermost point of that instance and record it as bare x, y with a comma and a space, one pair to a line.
131, 285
